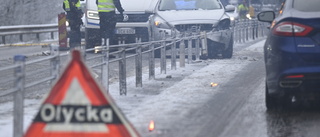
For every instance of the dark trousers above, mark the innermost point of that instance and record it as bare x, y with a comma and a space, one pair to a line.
75, 34
107, 25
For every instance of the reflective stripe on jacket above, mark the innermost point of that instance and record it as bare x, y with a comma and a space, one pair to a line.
106, 5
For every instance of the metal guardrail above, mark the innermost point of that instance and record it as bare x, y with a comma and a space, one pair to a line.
50, 66
22, 30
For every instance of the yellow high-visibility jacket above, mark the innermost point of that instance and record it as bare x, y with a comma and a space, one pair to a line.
105, 5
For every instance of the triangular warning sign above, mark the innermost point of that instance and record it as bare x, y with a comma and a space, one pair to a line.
77, 106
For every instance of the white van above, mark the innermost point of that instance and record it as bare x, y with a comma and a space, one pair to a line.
135, 23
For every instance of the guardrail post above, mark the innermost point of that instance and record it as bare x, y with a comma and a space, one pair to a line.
257, 29
263, 30
243, 35
151, 62
247, 29
239, 31
52, 35
38, 36
204, 44
251, 25
174, 54
19, 96
4, 39
122, 72
189, 50
138, 64
197, 48
163, 63
182, 55
105, 67
21, 37
253, 30
55, 62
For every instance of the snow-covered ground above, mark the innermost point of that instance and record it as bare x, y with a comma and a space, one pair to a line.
27, 12
160, 99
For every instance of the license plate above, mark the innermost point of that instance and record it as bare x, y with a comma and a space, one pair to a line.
125, 31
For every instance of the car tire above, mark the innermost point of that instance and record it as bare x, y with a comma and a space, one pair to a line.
229, 51
212, 53
92, 38
157, 53
271, 102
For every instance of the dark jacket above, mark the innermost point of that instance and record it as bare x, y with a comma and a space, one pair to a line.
74, 13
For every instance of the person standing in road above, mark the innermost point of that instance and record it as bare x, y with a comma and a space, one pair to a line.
74, 15
243, 9
107, 15
251, 11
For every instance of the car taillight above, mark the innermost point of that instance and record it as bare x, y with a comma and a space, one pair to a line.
291, 29
294, 76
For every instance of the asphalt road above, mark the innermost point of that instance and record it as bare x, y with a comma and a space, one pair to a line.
8, 52
237, 110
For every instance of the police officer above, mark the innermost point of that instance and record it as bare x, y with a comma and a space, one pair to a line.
243, 9
107, 17
74, 15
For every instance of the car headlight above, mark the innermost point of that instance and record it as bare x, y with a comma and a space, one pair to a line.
160, 23
67, 23
92, 14
248, 16
232, 18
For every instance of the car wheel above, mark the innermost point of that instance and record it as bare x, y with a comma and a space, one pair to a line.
92, 38
203, 57
271, 102
212, 52
229, 51
157, 53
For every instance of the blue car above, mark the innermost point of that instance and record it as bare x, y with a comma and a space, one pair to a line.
292, 53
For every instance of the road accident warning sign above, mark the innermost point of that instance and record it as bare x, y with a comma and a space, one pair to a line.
77, 107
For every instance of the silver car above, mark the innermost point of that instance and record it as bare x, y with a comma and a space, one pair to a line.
174, 17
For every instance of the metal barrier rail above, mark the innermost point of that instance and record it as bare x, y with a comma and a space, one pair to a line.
51, 66
27, 29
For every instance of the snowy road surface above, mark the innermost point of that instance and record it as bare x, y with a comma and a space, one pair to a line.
183, 103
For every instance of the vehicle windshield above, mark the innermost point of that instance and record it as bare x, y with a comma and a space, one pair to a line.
189, 5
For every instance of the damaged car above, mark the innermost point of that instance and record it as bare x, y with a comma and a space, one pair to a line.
176, 17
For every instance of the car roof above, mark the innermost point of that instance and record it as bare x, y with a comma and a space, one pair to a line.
290, 11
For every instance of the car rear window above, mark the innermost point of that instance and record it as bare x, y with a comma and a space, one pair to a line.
307, 5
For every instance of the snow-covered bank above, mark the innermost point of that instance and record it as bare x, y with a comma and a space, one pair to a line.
26, 12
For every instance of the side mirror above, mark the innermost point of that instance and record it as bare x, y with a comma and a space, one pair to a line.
266, 16
230, 8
